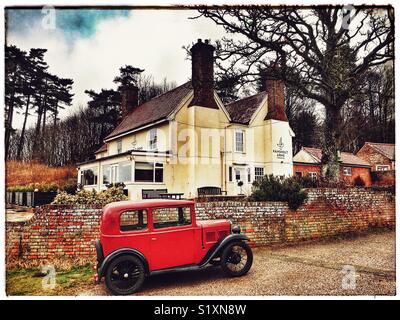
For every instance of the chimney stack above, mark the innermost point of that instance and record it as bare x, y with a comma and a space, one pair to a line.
275, 89
203, 75
130, 99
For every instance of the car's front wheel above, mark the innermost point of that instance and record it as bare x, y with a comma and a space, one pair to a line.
236, 259
125, 275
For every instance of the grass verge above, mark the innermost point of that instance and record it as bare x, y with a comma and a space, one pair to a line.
29, 282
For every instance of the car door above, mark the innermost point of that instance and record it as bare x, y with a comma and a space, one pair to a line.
172, 237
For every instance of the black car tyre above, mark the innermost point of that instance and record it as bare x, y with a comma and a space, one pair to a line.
236, 259
125, 275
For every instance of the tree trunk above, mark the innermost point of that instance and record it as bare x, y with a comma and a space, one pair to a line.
330, 159
21, 139
8, 125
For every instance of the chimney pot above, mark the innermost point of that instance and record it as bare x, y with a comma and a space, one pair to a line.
199, 40
207, 41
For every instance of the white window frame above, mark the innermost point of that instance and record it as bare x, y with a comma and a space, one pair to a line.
313, 175
153, 139
243, 132
385, 166
113, 173
119, 146
96, 176
347, 171
257, 175
161, 165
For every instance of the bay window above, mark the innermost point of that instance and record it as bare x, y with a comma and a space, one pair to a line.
89, 177
125, 171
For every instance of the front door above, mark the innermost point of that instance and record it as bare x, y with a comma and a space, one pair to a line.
240, 179
171, 238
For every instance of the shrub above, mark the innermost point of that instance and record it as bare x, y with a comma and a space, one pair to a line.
270, 188
116, 185
91, 197
70, 188
359, 182
307, 182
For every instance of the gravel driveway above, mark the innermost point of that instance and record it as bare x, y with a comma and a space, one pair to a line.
308, 269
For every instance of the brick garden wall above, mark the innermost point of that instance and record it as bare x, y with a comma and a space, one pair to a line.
61, 231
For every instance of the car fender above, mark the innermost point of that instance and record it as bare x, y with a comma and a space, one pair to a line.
101, 270
219, 246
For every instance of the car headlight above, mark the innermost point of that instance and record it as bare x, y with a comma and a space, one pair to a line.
236, 229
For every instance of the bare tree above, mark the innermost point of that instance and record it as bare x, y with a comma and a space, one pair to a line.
322, 51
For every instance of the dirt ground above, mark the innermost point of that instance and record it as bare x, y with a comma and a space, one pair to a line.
318, 268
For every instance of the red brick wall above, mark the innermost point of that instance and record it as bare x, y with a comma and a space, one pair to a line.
305, 169
373, 157
384, 178
364, 173
68, 232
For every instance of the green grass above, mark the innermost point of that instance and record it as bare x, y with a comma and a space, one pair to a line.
21, 282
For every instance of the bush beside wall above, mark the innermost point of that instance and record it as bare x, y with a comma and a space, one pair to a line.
68, 231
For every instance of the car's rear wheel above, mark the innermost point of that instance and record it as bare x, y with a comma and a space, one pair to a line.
236, 259
125, 275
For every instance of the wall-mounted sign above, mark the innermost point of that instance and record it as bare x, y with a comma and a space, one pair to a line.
279, 151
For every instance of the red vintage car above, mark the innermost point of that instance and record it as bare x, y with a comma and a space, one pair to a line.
139, 239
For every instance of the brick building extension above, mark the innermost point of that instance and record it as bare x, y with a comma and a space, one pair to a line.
381, 156
307, 162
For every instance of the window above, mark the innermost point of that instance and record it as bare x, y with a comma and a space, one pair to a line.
382, 168
248, 175
153, 139
89, 177
125, 171
171, 217
149, 172
298, 174
110, 173
258, 173
347, 171
230, 174
119, 146
312, 175
133, 220
106, 174
158, 172
239, 141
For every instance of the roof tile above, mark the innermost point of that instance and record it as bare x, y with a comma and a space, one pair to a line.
387, 149
345, 157
153, 110
241, 111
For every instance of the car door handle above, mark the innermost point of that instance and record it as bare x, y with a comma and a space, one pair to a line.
153, 239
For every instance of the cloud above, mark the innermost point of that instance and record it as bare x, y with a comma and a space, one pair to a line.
149, 39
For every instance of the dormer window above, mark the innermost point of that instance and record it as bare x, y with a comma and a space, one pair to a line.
153, 139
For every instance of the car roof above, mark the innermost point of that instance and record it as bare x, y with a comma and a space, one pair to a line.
111, 212
148, 203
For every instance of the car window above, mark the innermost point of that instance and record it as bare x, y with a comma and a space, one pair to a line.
133, 220
171, 217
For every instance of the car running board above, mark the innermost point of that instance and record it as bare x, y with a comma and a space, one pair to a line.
188, 267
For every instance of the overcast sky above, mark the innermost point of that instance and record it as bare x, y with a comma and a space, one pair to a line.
90, 45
